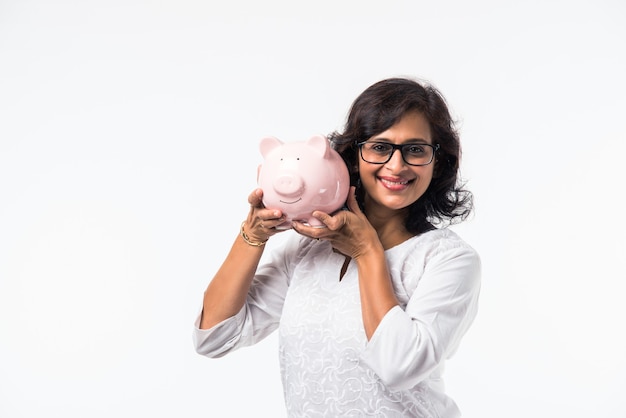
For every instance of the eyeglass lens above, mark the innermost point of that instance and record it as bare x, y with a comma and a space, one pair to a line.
380, 152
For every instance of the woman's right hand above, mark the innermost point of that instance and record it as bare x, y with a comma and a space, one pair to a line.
261, 222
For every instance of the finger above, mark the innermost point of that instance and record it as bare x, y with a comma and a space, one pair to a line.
307, 230
262, 223
324, 217
271, 218
256, 198
333, 222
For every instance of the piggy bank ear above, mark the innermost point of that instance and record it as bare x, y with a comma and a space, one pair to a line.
269, 143
320, 144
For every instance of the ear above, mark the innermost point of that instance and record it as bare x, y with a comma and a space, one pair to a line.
437, 169
320, 144
269, 143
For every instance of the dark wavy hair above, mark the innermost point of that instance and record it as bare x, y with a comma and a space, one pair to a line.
381, 106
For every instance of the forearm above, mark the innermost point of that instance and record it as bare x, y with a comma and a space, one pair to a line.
376, 290
414, 339
227, 291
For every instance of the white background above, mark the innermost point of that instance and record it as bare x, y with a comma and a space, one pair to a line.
128, 146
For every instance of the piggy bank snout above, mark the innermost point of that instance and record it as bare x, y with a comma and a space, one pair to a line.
288, 185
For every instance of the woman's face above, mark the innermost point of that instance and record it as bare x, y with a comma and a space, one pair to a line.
395, 185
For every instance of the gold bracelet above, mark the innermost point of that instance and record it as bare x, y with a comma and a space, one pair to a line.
247, 240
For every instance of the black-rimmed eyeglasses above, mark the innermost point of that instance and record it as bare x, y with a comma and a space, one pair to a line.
412, 154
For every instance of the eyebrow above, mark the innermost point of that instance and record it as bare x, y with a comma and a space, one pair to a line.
408, 141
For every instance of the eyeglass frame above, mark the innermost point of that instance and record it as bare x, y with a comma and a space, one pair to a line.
399, 147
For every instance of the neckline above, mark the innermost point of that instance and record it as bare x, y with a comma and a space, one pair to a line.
414, 237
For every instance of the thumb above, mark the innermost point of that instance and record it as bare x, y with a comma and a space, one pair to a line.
255, 198
353, 205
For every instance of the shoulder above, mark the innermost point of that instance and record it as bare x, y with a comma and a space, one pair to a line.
446, 245
437, 248
445, 240
434, 242
438, 259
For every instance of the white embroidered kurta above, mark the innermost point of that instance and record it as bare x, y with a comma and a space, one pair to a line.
328, 367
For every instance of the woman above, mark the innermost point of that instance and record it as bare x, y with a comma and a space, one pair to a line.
369, 308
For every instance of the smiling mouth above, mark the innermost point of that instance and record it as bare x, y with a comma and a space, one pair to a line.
290, 203
396, 183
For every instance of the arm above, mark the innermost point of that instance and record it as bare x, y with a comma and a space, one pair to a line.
351, 234
375, 288
410, 344
261, 310
227, 291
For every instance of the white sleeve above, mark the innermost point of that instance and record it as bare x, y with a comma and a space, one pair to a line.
410, 344
261, 312
221, 338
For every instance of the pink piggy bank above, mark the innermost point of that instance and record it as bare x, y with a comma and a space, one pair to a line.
300, 177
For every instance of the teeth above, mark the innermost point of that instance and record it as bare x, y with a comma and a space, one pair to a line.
395, 182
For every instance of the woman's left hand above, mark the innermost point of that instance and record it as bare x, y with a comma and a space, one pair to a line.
349, 231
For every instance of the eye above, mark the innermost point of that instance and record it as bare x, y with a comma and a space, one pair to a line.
380, 147
415, 149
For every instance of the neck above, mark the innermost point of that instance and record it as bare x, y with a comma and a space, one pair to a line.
390, 228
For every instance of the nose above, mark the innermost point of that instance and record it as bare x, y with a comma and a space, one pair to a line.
396, 160
288, 185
